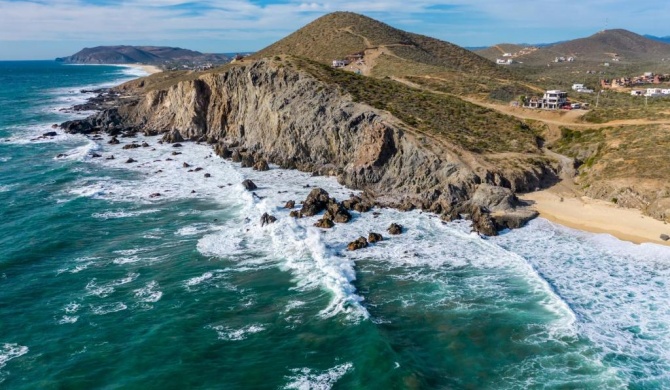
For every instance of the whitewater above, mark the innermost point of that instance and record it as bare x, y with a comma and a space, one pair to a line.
106, 283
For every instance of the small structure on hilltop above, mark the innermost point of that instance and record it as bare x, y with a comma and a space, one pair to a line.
340, 63
508, 61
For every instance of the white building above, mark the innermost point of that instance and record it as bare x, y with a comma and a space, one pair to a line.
340, 63
652, 92
507, 54
577, 87
665, 91
552, 100
500, 61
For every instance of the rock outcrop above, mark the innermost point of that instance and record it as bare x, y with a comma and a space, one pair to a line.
278, 114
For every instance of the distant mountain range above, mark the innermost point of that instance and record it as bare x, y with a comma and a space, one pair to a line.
616, 45
153, 55
660, 39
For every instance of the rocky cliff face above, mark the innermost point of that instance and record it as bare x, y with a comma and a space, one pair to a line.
266, 110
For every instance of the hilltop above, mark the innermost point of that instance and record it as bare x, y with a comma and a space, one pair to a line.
153, 55
339, 34
617, 45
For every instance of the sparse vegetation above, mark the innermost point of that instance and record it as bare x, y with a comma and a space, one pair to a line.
473, 127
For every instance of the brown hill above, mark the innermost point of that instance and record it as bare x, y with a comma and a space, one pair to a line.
605, 46
336, 35
494, 52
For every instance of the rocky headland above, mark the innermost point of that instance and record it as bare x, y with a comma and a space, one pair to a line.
268, 110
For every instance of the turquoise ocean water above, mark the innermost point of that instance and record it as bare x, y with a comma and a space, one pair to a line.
103, 286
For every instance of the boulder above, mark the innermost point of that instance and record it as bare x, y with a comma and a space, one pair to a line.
513, 219
249, 185
172, 137
110, 157
155, 195
267, 219
50, 134
222, 150
130, 160
131, 146
362, 207
494, 198
236, 156
295, 214
186, 165
482, 222
247, 160
145, 145
175, 153
316, 202
324, 223
208, 175
114, 141
359, 243
95, 155
198, 169
261, 165
374, 237
176, 145
665, 237
395, 229
337, 212
290, 204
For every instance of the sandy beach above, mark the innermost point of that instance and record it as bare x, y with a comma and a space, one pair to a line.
150, 69
597, 216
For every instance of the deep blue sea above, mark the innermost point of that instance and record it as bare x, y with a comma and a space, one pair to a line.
104, 286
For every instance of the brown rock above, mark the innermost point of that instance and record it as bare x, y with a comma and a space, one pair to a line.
114, 141
482, 222
316, 202
176, 153
186, 165
145, 145
324, 223
131, 146
665, 237
338, 212
374, 237
290, 204
359, 243
261, 165
295, 214
395, 229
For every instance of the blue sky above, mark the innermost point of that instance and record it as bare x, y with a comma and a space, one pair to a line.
44, 29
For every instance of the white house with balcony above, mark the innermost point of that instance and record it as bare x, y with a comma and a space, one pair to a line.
554, 99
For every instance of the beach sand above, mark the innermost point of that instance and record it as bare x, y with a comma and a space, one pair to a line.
580, 212
151, 69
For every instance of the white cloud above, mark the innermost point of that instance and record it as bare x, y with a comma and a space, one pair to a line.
244, 20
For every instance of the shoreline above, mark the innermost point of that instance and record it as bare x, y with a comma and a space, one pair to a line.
150, 69
597, 216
